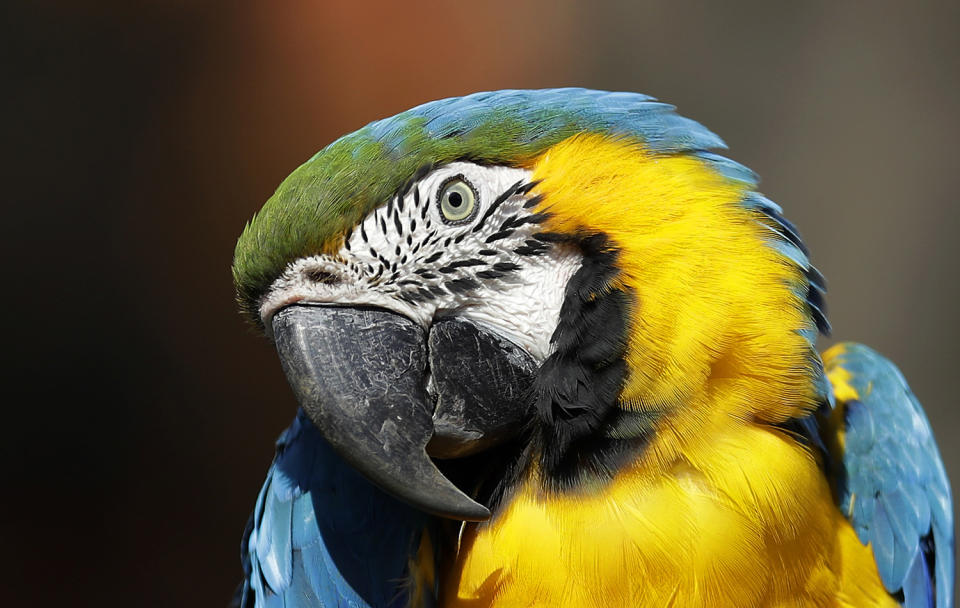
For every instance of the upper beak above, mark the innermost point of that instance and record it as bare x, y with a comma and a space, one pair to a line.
360, 375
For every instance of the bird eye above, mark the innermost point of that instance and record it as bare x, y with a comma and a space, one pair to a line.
458, 199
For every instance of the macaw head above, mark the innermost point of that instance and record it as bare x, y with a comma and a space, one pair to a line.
567, 270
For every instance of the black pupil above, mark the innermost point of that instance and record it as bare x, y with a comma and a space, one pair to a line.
455, 199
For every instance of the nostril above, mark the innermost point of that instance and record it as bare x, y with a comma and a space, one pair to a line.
316, 275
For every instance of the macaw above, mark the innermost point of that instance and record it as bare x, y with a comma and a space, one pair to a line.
552, 350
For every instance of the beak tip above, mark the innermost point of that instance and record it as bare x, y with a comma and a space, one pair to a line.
426, 488
468, 511
482, 514
479, 515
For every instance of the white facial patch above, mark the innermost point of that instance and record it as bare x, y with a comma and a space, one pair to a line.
409, 257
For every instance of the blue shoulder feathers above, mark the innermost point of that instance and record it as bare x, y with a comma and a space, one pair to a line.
322, 535
892, 484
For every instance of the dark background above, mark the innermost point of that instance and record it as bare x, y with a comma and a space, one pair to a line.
139, 139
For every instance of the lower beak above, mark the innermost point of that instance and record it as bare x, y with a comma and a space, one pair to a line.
359, 373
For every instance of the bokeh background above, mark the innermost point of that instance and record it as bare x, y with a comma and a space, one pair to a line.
140, 412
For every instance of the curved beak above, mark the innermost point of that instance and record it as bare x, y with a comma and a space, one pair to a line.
360, 373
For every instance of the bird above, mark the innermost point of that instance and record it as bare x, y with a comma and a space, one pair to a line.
551, 348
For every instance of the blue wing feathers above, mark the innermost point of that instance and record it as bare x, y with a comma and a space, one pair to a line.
893, 485
730, 169
917, 592
274, 549
884, 550
755, 200
322, 535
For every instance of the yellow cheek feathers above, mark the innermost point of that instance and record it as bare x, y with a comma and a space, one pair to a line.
716, 326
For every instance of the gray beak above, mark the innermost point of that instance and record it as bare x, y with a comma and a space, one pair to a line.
360, 375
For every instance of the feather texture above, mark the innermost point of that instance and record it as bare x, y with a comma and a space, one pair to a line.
322, 535
890, 480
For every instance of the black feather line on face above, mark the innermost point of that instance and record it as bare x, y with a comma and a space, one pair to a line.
528, 251
489, 274
418, 175
582, 431
508, 223
528, 186
550, 237
532, 247
462, 264
506, 194
534, 218
462, 285
496, 236
533, 202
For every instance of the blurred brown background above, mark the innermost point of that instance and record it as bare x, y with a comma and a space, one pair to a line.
138, 139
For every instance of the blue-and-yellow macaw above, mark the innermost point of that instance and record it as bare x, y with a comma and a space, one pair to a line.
552, 351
